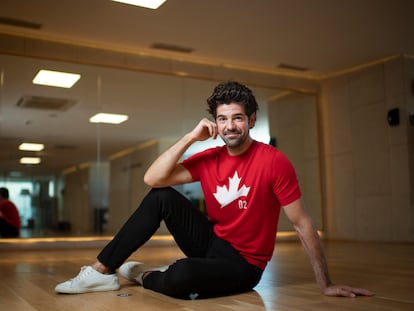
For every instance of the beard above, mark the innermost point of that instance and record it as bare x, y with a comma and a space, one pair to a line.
235, 139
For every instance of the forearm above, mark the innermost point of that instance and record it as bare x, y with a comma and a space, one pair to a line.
165, 170
160, 170
313, 247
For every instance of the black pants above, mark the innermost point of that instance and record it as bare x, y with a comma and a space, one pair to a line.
7, 230
212, 266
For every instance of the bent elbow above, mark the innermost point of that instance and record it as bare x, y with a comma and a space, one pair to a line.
152, 182
149, 181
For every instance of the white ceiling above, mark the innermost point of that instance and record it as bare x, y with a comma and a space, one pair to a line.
325, 36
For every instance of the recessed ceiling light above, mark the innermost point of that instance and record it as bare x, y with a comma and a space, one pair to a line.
292, 67
108, 118
171, 47
31, 147
30, 160
56, 78
149, 4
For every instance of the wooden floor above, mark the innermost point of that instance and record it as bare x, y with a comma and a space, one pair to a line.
28, 278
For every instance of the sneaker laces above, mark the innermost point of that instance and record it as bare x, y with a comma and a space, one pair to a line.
82, 274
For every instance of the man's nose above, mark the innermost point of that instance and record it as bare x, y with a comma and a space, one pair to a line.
230, 124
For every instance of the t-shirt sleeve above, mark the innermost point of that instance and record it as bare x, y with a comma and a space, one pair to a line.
286, 185
195, 163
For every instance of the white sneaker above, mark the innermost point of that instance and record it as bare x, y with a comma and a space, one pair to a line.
133, 271
88, 280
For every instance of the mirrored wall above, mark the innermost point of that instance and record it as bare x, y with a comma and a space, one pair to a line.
89, 179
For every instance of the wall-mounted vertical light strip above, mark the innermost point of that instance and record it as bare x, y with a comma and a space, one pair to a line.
149, 4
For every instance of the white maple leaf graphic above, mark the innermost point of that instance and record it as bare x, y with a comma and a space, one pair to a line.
225, 196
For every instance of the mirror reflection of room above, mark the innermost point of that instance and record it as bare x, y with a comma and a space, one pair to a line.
89, 175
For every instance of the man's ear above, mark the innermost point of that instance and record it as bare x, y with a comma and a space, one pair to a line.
252, 120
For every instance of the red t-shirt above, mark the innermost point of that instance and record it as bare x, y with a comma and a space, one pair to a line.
244, 195
9, 213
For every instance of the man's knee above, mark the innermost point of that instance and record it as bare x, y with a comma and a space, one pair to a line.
176, 282
163, 193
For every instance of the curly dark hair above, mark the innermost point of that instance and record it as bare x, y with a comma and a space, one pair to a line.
4, 192
232, 92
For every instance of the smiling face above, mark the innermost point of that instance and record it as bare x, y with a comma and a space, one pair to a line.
233, 127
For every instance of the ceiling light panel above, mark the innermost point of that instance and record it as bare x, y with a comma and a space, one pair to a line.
31, 147
110, 118
149, 4
56, 78
30, 160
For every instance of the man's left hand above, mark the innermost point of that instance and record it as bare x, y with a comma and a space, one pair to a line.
346, 291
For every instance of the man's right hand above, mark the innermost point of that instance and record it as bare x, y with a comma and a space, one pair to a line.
205, 129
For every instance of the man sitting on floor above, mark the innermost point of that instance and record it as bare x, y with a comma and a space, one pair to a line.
245, 184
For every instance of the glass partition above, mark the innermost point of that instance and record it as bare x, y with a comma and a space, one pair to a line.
90, 176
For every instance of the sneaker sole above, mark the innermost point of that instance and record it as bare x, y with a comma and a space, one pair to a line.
86, 290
